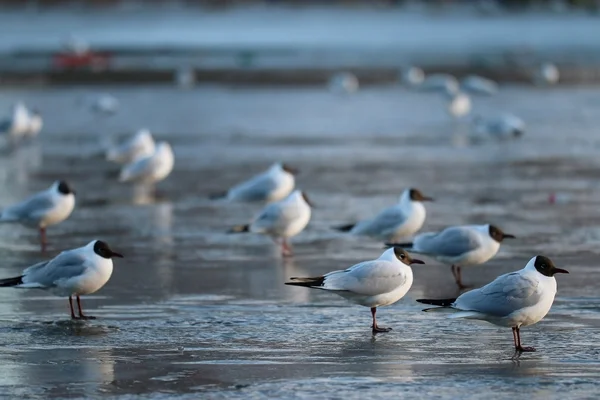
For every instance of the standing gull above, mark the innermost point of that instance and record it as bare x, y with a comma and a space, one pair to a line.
394, 223
281, 220
151, 168
479, 85
274, 184
74, 272
513, 300
373, 284
43, 209
502, 127
140, 145
459, 246
17, 124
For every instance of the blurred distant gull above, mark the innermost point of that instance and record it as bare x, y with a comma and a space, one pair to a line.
151, 168
413, 76
459, 105
513, 300
479, 85
140, 145
35, 124
46, 208
281, 220
502, 127
76, 45
459, 245
105, 104
16, 126
344, 82
444, 83
274, 184
373, 284
402, 220
547, 74
74, 272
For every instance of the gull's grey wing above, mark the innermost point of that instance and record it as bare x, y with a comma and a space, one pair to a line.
137, 168
66, 265
368, 278
268, 217
450, 242
384, 224
504, 295
255, 189
31, 209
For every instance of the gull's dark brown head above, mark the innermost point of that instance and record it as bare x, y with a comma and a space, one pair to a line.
546, 267
289, 169
307, 200
64, 188
417, 195
102, 249
497, 234
404, 257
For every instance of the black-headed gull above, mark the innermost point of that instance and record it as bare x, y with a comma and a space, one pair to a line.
274, 184
400, 221
74, 272
151, 168
43, 209
517, 299
281, 220
139, 145
459, 246
372, 284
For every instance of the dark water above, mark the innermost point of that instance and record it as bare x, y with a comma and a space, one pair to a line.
193, 312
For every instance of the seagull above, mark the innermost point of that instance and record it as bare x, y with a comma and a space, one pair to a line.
150, 169
75, 272
281, 220
459, 104
34, 125
516, 299
479, 85
140, 145
413, 77
459, 246
394, 223
547, 74
502, 127
344, 82
274, 184
16, 126
105, 104
373, 284
43, 209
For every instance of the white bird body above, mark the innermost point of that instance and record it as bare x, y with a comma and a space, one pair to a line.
462, 245
139, 146
413, 77
479, 85
16, 126
283, 219
344, 82
152, 168
402, 220
459, 105
272, 185
547, 74
444, 83
43, 209
105, 104
34, 126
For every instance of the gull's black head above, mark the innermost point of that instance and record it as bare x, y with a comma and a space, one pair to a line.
64, 188
497, 234
289, 169
546, 267
404, 257
102, 249
416, 195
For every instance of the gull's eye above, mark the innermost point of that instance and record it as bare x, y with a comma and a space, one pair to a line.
402, 256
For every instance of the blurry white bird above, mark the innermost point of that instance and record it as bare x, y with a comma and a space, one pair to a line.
17, 124
402, 220
479, 85
344, 82
76, 272
459, 105
547, 74
152, 168
502, 127
76, 45
105, 104
43, 209
373, 284
281, 220
444, 83
413, 77
517, 299
140, 145
274, 184
459, 246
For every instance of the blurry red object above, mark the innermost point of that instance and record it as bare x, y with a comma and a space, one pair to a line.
85, 60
